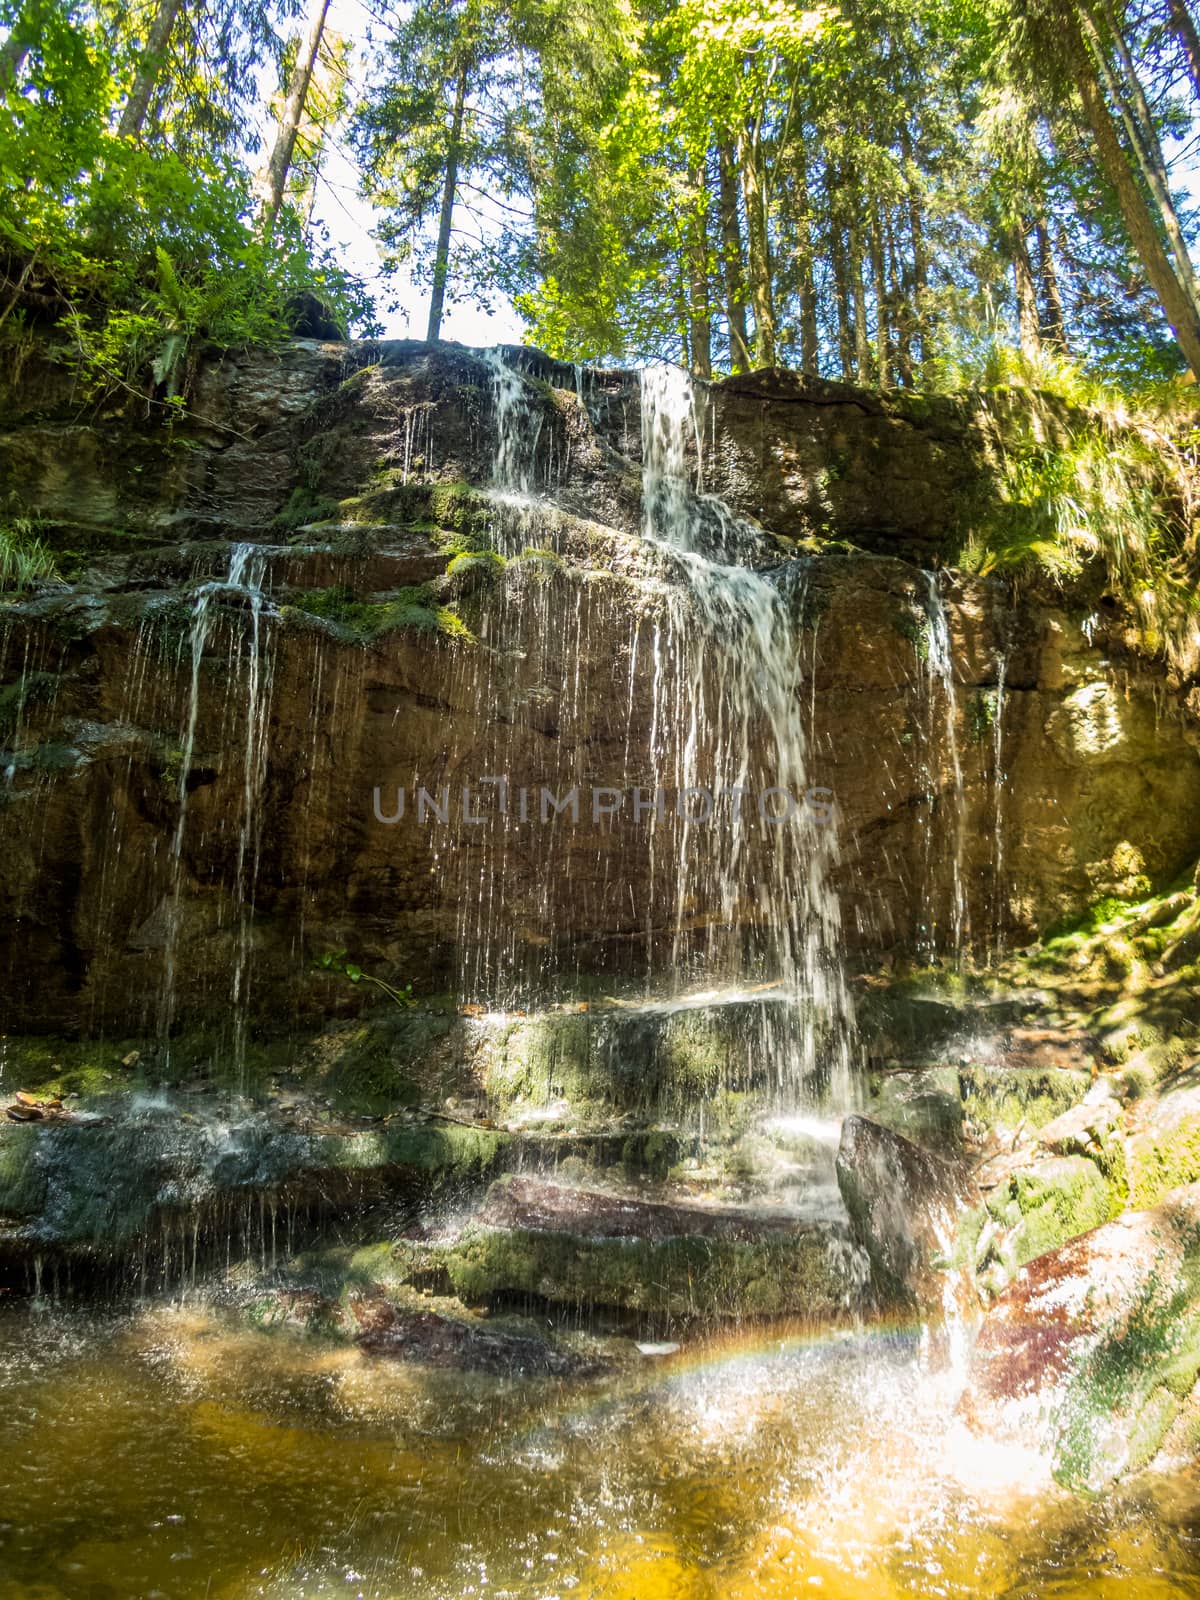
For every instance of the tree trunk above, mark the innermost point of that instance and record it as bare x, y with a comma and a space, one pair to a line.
699, 321
150, 66
284, 147
1143, 136
1027, 314
810, 351
904, 366
1053, 322
1189, 39
732, 263
441, 260
916, 223
841, 289
749, 158
862, 343
883, 342
13, 52
1178, 307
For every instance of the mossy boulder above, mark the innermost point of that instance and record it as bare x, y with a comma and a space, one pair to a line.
1091, 1354
1005, 1096
654, 1264
924, 1105
1036, 1210
1165, 1149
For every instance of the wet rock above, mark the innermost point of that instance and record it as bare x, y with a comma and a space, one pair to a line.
904, 1205
164, 1177
658, 1264
369, 453
1165, 1142
433, 1340
1090, 1354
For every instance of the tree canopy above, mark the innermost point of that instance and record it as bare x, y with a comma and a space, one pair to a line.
885, 195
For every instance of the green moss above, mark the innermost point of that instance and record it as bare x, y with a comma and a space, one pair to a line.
304, 506
1163, 1159
481, 563
1038, 1210
1102, 913
364, 621
445, 1152
666, 1282
46, 1065
1004, 1097
1125, 1392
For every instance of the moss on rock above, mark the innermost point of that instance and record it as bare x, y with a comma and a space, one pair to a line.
1004, 1097
668, 1281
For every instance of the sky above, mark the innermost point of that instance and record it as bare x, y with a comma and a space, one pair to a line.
348, 219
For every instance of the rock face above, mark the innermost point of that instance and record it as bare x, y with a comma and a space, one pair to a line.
312, 590
1092, 1353
904, 1205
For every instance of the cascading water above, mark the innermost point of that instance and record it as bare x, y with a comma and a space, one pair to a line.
248, 694
721, 856
948, 821
730, 688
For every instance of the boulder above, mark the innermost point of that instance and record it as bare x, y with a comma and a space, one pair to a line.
649, 1263
1092, 1352
904, 1205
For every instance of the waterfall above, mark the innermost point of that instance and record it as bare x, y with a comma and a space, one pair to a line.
248, 693
729, 721
517, 429
714, 867
940, 675
999, 778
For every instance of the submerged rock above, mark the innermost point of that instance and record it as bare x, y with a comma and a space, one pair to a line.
433, 1340
1091, 1353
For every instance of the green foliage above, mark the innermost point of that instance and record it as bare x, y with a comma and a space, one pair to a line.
335, 961
1089, 484
305, 506
24, 556
145, 251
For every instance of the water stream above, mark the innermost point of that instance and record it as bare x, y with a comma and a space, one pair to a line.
172, 1453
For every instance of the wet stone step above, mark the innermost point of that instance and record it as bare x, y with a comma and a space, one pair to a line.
656, 1264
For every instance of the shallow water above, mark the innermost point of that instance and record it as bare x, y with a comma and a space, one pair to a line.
176, 1453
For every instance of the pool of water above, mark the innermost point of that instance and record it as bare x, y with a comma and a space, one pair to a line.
174, 1452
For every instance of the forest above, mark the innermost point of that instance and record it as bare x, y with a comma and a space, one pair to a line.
599, 930
925, 195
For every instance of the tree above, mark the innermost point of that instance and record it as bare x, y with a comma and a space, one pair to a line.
283, 149
1065, 34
